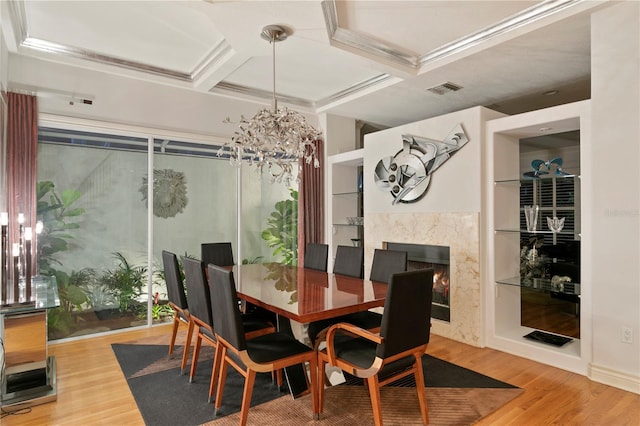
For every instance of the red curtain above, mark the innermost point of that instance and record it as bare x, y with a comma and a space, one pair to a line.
311, 203
21, 167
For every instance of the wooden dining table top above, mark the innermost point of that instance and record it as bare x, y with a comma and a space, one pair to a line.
305, 295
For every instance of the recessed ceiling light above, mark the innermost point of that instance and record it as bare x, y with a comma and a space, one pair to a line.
550, 93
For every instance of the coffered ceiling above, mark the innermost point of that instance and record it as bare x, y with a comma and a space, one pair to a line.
371, 60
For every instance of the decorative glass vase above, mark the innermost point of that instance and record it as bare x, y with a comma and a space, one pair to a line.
531, 216
555, 224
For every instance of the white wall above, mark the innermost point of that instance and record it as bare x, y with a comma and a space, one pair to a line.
615, 270
339, 132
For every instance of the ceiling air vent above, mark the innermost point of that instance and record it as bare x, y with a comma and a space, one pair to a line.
443, 88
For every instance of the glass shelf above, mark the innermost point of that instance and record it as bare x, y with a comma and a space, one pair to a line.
543, 177
345, 224
524, 231
347, 194
543, 284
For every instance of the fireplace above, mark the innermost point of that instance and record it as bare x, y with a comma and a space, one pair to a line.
421, 256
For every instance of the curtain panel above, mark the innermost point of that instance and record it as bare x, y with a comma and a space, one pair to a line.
311, 203
21, 160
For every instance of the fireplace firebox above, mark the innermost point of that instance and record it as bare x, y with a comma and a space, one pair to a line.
422, 256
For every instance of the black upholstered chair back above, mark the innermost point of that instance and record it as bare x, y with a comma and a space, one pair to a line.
387, 262
226, 315
198, 295
173, 278
406, 320
220, 254
349, 261
315, 256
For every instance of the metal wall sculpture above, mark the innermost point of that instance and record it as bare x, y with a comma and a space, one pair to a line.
407, 174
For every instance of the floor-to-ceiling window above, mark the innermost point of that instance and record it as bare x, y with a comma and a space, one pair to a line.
194, 203
95, 236
94, 198
269, 218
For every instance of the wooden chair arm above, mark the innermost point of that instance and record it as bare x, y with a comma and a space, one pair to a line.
349, 328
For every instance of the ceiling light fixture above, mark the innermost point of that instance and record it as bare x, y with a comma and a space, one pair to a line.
275, 138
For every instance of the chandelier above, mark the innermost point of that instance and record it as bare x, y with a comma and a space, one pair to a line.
274, 139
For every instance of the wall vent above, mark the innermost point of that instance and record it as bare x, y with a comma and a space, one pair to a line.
443, 88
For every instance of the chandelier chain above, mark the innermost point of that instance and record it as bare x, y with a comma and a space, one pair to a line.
273, 74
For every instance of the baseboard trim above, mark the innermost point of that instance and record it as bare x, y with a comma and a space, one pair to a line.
614, 378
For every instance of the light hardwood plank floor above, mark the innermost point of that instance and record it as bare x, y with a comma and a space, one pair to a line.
93, 391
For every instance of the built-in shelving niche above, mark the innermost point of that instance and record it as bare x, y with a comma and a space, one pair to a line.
517, 307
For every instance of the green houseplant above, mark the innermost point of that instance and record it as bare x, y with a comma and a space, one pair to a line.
72, 298
58, 214
282, 231
126, 282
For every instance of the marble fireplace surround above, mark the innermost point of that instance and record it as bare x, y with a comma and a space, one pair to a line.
459, 231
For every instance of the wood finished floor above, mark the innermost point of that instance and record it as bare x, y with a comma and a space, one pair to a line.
92, 389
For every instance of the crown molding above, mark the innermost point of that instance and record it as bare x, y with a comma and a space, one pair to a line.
412, 63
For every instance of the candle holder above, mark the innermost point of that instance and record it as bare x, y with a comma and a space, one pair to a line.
28, 236
16, 270
36, 248
21, 242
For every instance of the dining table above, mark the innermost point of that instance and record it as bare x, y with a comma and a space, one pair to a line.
303, 295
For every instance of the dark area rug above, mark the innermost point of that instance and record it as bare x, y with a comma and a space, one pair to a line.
166, 398
442, 374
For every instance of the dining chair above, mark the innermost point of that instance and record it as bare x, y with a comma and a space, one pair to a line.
384, 264
349, 261
201, 318
265, 353
316, 256
176, 295
220, 254
396, 351
199, 297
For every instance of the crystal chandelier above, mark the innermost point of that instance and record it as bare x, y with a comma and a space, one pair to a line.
276, 138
